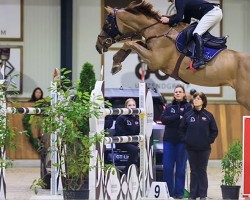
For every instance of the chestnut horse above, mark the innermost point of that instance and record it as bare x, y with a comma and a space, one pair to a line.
228, 68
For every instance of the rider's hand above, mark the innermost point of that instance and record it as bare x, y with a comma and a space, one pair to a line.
164, 19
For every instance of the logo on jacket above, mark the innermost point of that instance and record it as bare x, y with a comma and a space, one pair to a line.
172, 110
204, 118
129, 123
192, 119
181, 109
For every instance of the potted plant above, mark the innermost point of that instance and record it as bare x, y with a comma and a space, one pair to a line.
7, 135
231, 164
68, 117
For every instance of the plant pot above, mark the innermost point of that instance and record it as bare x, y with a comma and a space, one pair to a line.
46, 180
230, 192
82, 194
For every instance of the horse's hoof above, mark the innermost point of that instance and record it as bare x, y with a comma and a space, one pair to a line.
116, 68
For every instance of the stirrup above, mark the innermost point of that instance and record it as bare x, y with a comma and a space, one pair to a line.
193, 69
116, 68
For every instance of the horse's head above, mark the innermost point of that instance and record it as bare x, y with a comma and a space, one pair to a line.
125, 23
109, 32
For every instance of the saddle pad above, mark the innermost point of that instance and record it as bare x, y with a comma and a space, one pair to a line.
209, 53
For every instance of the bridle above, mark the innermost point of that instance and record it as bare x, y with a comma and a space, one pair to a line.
111, 30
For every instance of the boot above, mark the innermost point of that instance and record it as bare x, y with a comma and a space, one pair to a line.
199, 61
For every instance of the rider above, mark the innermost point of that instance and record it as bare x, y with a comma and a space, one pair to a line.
208, 14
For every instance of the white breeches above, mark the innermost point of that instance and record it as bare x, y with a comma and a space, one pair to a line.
208, 21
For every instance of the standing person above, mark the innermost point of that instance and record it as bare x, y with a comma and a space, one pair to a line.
108, 122
198, 130
174, 153
209, 15
37, 94
128, 125
190, 96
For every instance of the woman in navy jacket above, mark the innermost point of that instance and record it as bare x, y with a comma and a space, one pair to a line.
128, 125
174, 152
198, 130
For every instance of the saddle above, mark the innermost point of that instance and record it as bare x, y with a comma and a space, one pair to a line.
211, 45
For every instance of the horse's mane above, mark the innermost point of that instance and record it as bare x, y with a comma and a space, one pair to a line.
143, 8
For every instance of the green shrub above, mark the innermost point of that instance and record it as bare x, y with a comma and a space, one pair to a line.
231, 164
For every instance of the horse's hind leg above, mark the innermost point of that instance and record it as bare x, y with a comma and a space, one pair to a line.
242, 87
120, 56
242, 96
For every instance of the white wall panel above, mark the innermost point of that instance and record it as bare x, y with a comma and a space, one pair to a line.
41, 43
87, 25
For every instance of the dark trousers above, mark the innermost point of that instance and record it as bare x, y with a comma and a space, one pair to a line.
133, 151
198, 161
174, 167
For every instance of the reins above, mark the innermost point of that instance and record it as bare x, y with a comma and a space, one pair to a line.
114, 31
158, 36
139, 33
136, 33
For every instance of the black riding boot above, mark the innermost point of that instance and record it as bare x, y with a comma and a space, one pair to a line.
199, 61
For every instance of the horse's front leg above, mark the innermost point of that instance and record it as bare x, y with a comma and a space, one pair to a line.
118, 58
122, 54
142, 50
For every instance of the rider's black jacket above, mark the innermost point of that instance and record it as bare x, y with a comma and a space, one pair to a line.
187, 9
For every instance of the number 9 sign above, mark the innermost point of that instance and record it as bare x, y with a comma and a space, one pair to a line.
159, 190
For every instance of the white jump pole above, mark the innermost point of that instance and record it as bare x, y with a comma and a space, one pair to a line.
54, 187
96, 126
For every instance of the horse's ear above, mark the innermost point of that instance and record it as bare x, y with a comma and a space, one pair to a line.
109, 10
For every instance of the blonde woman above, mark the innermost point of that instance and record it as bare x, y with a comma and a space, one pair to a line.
128, 125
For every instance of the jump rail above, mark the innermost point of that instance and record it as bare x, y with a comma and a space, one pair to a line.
24, 110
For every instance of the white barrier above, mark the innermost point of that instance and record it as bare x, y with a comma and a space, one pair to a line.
132, 186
